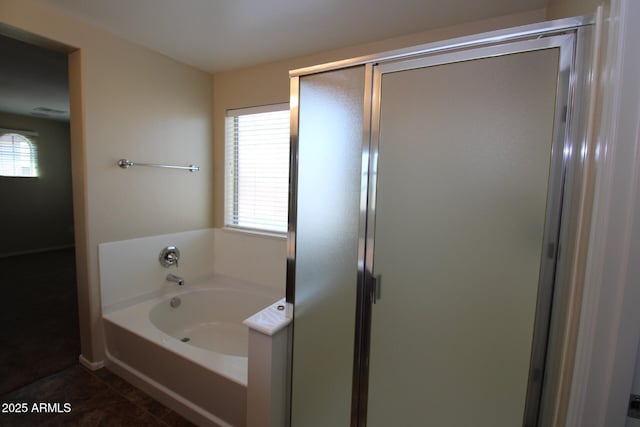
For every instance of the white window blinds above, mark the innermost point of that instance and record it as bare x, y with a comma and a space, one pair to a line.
257, 168
18, 156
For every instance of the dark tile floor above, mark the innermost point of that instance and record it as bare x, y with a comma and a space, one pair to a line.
39, 349
85, 398
39, 317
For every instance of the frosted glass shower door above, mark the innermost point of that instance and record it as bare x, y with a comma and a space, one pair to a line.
329, 159
462, 176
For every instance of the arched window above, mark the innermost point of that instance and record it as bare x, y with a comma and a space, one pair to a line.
18, 156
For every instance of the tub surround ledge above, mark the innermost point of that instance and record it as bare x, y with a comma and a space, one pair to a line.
270, 320
267, 375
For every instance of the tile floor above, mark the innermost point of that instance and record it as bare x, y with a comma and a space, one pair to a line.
39, 349
40, 333
97, 398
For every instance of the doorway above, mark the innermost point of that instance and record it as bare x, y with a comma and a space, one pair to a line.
37, 258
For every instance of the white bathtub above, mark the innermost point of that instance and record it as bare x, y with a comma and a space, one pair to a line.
192, 357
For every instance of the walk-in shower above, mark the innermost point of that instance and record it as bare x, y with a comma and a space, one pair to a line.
433, 289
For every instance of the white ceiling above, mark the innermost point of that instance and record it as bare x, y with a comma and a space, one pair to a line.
216, 35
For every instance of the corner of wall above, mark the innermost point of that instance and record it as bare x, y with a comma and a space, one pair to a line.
260, 259
88, 308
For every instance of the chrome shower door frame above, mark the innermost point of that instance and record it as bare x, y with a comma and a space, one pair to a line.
562, 145
565, 34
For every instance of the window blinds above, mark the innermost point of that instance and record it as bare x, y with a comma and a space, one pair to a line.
18, 156
257, 168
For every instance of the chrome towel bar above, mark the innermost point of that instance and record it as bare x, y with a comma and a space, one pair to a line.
124, 164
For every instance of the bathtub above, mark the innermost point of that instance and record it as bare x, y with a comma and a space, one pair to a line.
188, 346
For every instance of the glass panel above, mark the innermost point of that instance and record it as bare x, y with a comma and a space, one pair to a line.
329, 165
463, 168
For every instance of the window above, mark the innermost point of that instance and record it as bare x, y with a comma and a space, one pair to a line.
18, 156
257, 168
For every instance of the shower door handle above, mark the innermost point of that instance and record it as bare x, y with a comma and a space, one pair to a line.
376, 284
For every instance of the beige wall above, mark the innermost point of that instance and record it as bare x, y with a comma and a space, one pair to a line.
566, 8
37, 213
269, 83
126, 101
130, 102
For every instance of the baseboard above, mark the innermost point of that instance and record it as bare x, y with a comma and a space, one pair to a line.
36, 251
92, 366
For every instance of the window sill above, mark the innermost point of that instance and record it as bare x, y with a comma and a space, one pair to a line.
256, 233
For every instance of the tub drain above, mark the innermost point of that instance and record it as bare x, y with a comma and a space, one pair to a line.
185, 339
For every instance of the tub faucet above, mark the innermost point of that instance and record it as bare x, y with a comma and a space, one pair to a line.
177, 279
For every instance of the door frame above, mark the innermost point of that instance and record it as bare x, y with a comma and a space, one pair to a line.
609, 330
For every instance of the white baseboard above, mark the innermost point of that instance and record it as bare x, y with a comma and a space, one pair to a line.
92, 366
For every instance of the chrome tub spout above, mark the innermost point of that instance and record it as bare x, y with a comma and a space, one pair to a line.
176, 279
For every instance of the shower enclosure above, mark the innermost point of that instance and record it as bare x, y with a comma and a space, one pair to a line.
433, 190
